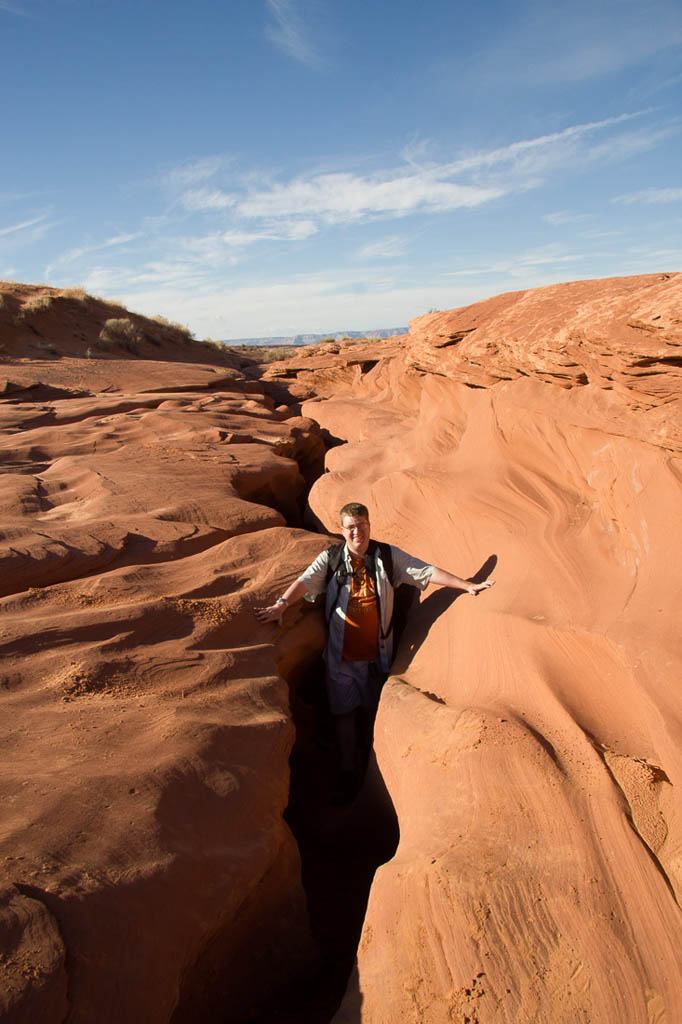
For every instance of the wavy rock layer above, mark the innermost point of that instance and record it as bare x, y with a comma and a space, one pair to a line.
147, 871
530, 738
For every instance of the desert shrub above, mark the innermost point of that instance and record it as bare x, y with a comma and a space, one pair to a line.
175, 331
122, 332
275, 355
79, 294
184, 330
103, 344
36, 304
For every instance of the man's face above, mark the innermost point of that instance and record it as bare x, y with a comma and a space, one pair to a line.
355, 530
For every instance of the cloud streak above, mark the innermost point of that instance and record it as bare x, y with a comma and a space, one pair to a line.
13, 9
73, 255
339, 198
220, 226
650, 196
344, 197
561, 44
287, 32
23, 225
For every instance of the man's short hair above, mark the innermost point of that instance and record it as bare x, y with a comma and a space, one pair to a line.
354, 508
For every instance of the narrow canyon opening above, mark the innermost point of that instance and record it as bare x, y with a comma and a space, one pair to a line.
341, 848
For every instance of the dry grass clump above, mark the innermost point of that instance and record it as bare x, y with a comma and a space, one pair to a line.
37, 302
34, 304
78, 294
276, 354
122, 331
181, 332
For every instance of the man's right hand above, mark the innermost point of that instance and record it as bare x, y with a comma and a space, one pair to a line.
273, 613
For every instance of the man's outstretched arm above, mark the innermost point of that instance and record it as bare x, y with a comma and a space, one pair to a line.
274, 611
447, 579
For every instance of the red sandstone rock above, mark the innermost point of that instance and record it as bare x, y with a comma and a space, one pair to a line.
145, 729
528, 738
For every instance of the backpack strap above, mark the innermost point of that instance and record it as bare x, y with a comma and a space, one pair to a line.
336, 566
387, 559
334, 559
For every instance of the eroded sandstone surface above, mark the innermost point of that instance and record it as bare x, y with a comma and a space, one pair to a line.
146, 867
529, 739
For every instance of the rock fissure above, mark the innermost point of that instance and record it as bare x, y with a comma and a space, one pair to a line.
340, 846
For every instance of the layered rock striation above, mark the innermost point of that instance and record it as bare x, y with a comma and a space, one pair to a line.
529, 739
147, 872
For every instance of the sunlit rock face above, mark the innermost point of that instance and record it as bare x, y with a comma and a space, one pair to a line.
529, 737
147, 871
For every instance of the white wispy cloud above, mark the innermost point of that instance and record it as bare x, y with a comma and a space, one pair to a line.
295, 231
650, 196
383, 249
207, 199
518, 264
15, 9
72, 256
338, 198
561, 217
193, 171
23, 225
566, 43
221, 225
531, 158
288, 32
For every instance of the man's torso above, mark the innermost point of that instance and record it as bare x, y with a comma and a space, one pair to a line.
361, 630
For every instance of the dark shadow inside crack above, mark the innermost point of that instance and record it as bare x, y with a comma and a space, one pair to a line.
341, 848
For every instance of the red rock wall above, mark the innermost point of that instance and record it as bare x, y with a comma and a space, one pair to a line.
530, 737
145, 736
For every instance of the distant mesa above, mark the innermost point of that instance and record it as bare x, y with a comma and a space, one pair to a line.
312, 339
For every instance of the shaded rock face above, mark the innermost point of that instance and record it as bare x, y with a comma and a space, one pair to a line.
528, 739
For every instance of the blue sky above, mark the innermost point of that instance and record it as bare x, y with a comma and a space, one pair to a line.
261, 167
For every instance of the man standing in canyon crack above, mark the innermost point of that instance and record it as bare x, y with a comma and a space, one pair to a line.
359, 579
